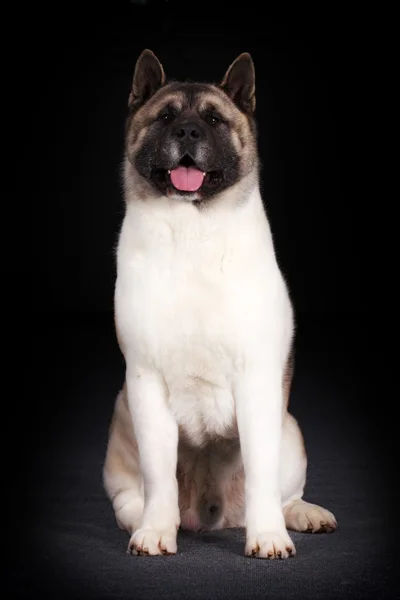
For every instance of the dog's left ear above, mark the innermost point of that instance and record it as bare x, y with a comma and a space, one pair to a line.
239, 83
149, 76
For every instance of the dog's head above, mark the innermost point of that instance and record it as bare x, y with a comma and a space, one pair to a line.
190, 141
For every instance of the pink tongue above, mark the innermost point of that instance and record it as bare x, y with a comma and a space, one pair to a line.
187, 179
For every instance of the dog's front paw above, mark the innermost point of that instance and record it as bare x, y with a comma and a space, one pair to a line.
152, 542
269, 544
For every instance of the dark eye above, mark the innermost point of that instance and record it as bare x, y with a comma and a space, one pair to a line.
213, 119
166, 117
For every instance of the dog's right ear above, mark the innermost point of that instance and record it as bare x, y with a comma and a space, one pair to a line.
239, 83
149, 76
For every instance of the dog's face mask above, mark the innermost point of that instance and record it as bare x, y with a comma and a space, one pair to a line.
190, 140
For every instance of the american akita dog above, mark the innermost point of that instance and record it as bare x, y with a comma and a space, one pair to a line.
201, 436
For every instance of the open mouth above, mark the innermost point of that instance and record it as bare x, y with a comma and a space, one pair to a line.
187, 177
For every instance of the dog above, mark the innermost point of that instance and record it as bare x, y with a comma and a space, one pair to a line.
201, 437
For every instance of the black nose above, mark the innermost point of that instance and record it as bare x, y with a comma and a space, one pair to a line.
188, 131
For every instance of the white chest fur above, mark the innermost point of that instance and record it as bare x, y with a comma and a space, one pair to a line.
196, 294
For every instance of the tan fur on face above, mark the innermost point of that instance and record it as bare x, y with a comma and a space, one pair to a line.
238, 121
210, 98
142, 118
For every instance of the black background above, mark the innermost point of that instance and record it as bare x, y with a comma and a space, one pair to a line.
73, 71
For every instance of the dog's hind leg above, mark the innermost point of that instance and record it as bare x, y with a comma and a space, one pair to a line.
121, 473
299, 514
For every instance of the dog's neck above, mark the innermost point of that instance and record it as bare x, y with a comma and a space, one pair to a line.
237, 219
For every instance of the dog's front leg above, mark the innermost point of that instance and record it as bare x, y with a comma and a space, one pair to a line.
157, 438
258, 395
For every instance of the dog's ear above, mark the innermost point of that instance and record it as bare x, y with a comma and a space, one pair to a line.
239, 83
149, 76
